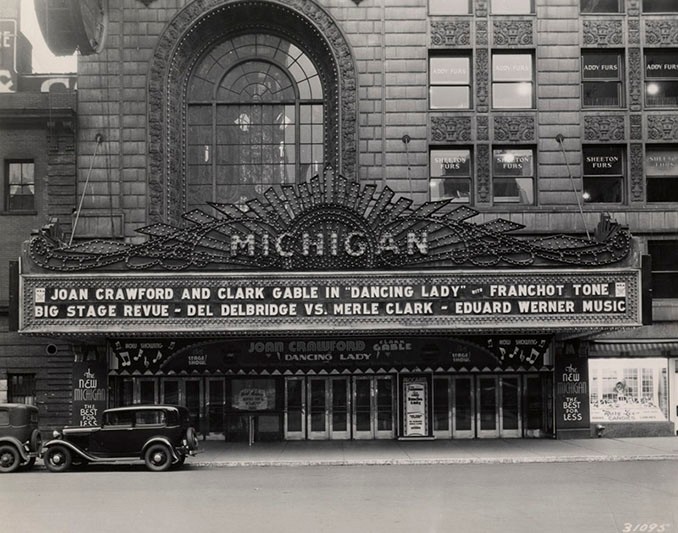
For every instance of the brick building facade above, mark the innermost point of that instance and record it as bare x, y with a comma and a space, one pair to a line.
546, 114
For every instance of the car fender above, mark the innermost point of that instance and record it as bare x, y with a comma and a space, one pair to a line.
59, 442
161, 440
17, 444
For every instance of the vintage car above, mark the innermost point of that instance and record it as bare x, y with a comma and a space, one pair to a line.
160, 435
20, 439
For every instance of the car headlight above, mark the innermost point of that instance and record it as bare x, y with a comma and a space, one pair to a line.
56, 434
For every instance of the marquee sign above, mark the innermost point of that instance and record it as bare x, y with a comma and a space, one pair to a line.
329, 224
212, 356
230, 304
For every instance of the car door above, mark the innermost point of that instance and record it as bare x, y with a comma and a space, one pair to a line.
116, 435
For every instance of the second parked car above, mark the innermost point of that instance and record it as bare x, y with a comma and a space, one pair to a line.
160, 435
19, 436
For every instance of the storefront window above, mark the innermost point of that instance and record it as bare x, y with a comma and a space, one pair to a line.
513, 176
664, 268
660, 6
449, 7
628, 390
661, 78
450, 78
451, 175
604, 172
661, 164
512, 81
602, 75
601, 6
511, 7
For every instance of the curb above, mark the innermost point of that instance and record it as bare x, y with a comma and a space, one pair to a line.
448, 461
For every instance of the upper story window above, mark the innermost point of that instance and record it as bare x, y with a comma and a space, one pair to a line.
601, 6
661, 78
661, 173
512, 7
513, 171
604, 172
256, 118
664, 268
451, 173
660, 6
512, 81
602, 79
449, 7
20, 185
450, 78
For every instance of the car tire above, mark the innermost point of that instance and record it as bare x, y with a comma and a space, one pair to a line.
36, 441
158, 458
191, 438
58, 459
9, 458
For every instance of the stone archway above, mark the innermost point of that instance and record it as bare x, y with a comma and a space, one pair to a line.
197, 27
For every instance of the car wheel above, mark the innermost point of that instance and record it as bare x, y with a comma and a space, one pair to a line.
158, 457
36, 440
58, 459
191, 438
9, 458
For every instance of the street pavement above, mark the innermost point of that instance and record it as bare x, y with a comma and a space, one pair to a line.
217, 453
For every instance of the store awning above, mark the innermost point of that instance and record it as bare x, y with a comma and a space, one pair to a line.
650, 348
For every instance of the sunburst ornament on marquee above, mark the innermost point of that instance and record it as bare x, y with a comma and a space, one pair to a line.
331, 223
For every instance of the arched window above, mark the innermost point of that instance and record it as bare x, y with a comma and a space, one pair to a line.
255, 118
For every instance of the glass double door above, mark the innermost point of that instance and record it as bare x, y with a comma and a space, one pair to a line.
339, 408
477, 406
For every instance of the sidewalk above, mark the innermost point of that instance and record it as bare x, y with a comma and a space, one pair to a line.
393, 452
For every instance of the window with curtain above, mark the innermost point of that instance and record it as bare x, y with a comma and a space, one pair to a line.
255, 118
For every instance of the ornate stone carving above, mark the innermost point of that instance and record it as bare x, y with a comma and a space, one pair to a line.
603, 32
636, 127
481, 33
513, 33
481, 8
637, 184
451, 129
664, 31
633, 8
604, 128
447, 33
633, 33
482, 80
514, 128
483, 185
662, 127
483, 127
202, 23
635, 81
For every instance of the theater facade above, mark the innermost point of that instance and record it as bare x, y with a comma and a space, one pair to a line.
359, 219
328, 310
